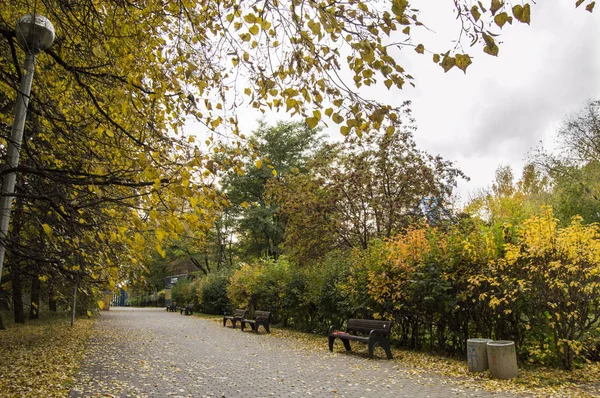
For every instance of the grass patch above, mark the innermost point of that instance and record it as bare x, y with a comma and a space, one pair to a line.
40, 358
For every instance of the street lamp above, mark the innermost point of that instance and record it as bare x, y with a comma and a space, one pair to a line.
34, 34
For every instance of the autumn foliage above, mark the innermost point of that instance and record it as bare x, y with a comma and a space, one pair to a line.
443, 285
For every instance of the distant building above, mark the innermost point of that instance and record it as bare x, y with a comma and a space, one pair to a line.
119, 299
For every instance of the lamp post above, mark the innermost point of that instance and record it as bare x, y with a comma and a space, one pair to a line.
34, 34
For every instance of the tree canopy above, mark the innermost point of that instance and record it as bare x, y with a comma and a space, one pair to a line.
108, 172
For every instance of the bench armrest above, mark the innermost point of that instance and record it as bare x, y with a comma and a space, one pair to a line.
331, 330
376, 332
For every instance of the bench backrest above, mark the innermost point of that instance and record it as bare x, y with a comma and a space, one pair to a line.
263, 314
365, 326
239, 313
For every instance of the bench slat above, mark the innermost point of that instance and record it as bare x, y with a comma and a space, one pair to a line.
365, 326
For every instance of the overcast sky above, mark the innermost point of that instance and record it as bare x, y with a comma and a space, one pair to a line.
504, 106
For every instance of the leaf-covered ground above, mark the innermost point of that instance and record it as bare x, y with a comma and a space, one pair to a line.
40, 358
537, 381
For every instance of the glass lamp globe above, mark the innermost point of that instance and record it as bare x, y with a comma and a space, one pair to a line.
34, 33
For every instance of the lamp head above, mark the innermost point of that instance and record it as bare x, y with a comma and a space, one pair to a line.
34, 33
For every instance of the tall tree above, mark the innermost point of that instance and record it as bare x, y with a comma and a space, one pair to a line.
279, 149
364, 189
575, 166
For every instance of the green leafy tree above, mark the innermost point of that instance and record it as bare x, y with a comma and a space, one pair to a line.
280, 149
574, 168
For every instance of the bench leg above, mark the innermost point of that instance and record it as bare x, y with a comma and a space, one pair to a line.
224, 321
346, 344
331, 340
233, 323
383, 344
243, 325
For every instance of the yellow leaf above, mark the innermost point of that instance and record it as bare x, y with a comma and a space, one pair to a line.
160, 250
420, 49
89, 314
254, 30
98, 51
518, 12
244, 205
448, 63
101, 304
463, 61
475, 12
312, 122
274, 172
344, 130
590, 7
491, 50
436, 58
47, 230
501, 19
398, 7
526, 14
259, 164
496, 5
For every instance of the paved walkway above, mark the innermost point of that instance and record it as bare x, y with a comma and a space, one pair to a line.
154, 353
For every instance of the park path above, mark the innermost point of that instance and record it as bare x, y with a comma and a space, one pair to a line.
153, 353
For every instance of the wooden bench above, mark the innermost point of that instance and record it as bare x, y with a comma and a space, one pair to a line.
187, 310
172, 308
260, 318
237, 316
374, 333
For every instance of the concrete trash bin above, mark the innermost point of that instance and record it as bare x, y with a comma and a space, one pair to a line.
477, 358
502, 359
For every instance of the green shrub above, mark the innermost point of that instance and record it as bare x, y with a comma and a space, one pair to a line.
212, 294
183, 293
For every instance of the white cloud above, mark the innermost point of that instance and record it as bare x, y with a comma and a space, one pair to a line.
505, 105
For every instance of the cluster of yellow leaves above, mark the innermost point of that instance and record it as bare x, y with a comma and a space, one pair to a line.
40, 359
242, 284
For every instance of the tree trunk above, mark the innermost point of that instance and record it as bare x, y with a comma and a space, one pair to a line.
17, 294
51, 298
1, 323
74, 305
34, 308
